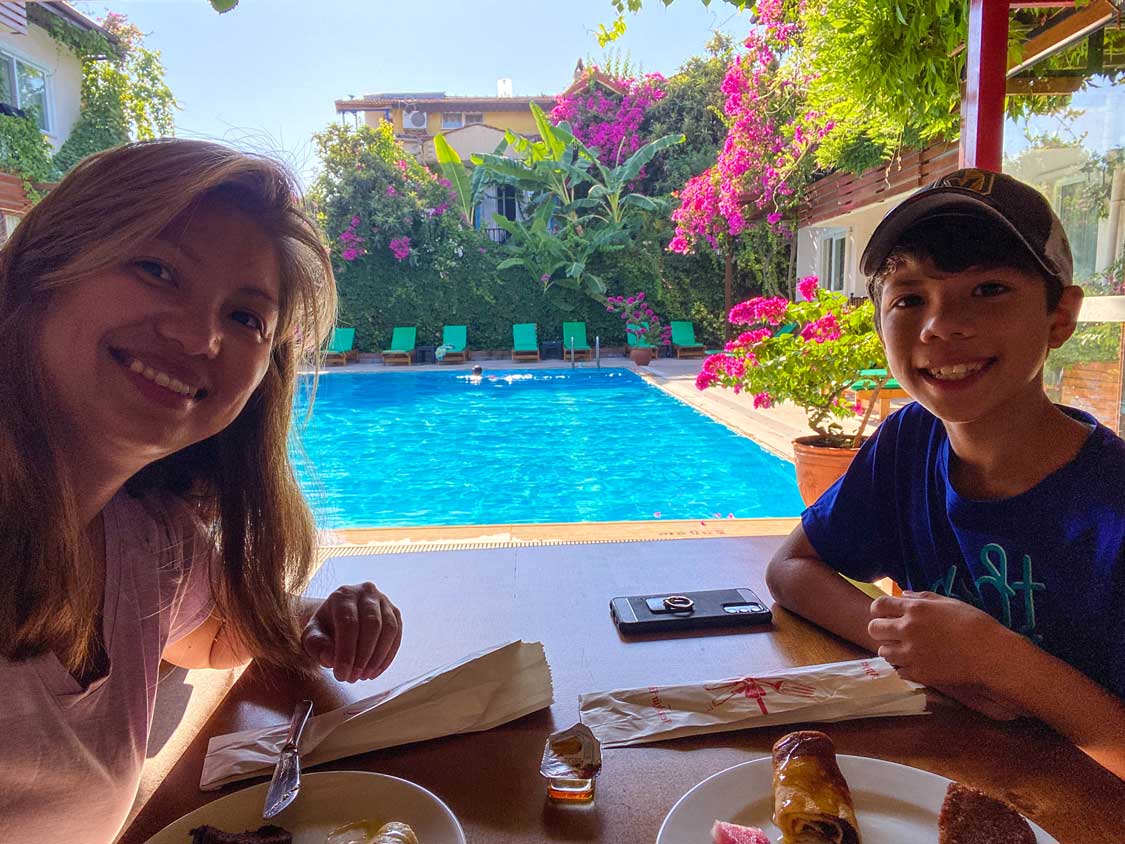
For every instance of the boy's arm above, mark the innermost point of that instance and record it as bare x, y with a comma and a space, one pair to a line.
803, 583
946, 643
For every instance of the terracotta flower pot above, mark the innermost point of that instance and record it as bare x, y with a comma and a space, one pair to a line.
641, 357
818, 466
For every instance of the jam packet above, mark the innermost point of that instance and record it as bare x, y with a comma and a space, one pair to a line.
571, 759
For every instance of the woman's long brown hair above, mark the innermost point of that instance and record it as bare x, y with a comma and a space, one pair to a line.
240, 481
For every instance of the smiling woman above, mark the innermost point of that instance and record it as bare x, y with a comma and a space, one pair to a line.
154, 310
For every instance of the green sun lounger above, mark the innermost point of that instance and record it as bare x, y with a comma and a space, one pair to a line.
525, 341
788, 328
636, 342
863, 390
339, 349
456, 342
574, 338
402, 346
683, 340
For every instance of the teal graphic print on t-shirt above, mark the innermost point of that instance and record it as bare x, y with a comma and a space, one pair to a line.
994, 560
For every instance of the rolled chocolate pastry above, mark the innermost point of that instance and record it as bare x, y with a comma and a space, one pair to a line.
811, 800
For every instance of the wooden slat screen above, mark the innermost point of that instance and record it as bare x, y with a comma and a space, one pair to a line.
840, 193
13, 200
13, 17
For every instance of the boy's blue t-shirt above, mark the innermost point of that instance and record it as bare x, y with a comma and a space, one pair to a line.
1049, 563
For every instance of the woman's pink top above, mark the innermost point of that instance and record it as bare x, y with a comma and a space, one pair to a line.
70, 758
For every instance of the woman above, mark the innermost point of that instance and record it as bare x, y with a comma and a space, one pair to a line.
154, 310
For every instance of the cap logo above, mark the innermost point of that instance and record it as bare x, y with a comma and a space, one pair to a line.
978, 181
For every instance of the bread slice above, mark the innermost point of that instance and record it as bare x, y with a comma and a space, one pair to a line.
969, 816
268, 834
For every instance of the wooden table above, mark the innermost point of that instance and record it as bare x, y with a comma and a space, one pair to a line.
454, 603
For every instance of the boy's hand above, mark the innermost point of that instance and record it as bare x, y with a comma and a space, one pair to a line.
355, 632
939, 642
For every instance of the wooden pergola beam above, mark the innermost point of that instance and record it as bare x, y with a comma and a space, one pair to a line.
1044, 85
1067, 31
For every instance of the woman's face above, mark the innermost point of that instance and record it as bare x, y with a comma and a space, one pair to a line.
164, 350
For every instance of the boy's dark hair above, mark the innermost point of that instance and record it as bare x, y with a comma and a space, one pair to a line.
954, 243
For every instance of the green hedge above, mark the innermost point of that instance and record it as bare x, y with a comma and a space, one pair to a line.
377, 293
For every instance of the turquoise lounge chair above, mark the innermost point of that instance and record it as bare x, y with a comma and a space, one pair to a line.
455, 339
863, 389
339, 349
402, 346
683, 340
574, 340
636, 342
525, 341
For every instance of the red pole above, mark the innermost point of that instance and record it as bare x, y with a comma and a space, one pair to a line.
982, 106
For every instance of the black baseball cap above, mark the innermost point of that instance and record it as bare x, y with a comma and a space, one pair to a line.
1016, 207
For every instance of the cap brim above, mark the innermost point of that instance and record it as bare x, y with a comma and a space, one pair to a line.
947, 202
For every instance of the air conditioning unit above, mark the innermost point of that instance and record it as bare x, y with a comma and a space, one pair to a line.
414, 120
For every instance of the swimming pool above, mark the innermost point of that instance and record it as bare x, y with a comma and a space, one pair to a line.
566, 445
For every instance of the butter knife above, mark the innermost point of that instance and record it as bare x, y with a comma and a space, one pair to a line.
286, 780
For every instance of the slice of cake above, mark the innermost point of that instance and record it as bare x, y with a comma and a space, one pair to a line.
268, 834
731, 833
969, 816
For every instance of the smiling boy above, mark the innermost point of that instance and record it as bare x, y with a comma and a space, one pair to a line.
1001, 513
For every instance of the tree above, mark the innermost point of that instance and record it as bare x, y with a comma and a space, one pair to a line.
765, 155
124, 95
693, 105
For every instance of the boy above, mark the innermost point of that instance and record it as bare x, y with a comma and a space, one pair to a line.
1002, 512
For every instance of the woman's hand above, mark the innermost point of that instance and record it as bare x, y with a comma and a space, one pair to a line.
356, 632
941, 642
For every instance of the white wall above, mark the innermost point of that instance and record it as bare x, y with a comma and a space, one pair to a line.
64, 74
859, 226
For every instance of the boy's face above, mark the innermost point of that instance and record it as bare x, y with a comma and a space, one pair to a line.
971, 345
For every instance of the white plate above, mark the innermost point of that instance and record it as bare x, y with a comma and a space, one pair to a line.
327, 800
894, 804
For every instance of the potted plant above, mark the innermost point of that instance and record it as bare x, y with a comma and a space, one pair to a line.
809, 353
644, 328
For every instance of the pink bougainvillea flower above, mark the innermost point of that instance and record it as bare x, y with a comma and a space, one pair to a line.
391, 190
762, 401
821, 330
758, 310
350, 254
807, 287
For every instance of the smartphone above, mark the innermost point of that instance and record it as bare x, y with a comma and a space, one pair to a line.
689, 610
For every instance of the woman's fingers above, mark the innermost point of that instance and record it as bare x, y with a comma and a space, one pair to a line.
388, 643
356, 632
317, 643
344, 612
370, 611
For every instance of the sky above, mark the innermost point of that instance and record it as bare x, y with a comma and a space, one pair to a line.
264, 77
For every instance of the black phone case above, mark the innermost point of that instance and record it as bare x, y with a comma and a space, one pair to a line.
707, 612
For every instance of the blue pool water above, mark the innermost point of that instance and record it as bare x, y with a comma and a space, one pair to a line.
567, 445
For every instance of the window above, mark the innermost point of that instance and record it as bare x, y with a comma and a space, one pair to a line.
1079, 205
506, 202
473, 117
25, 86
832, 247
451, 120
